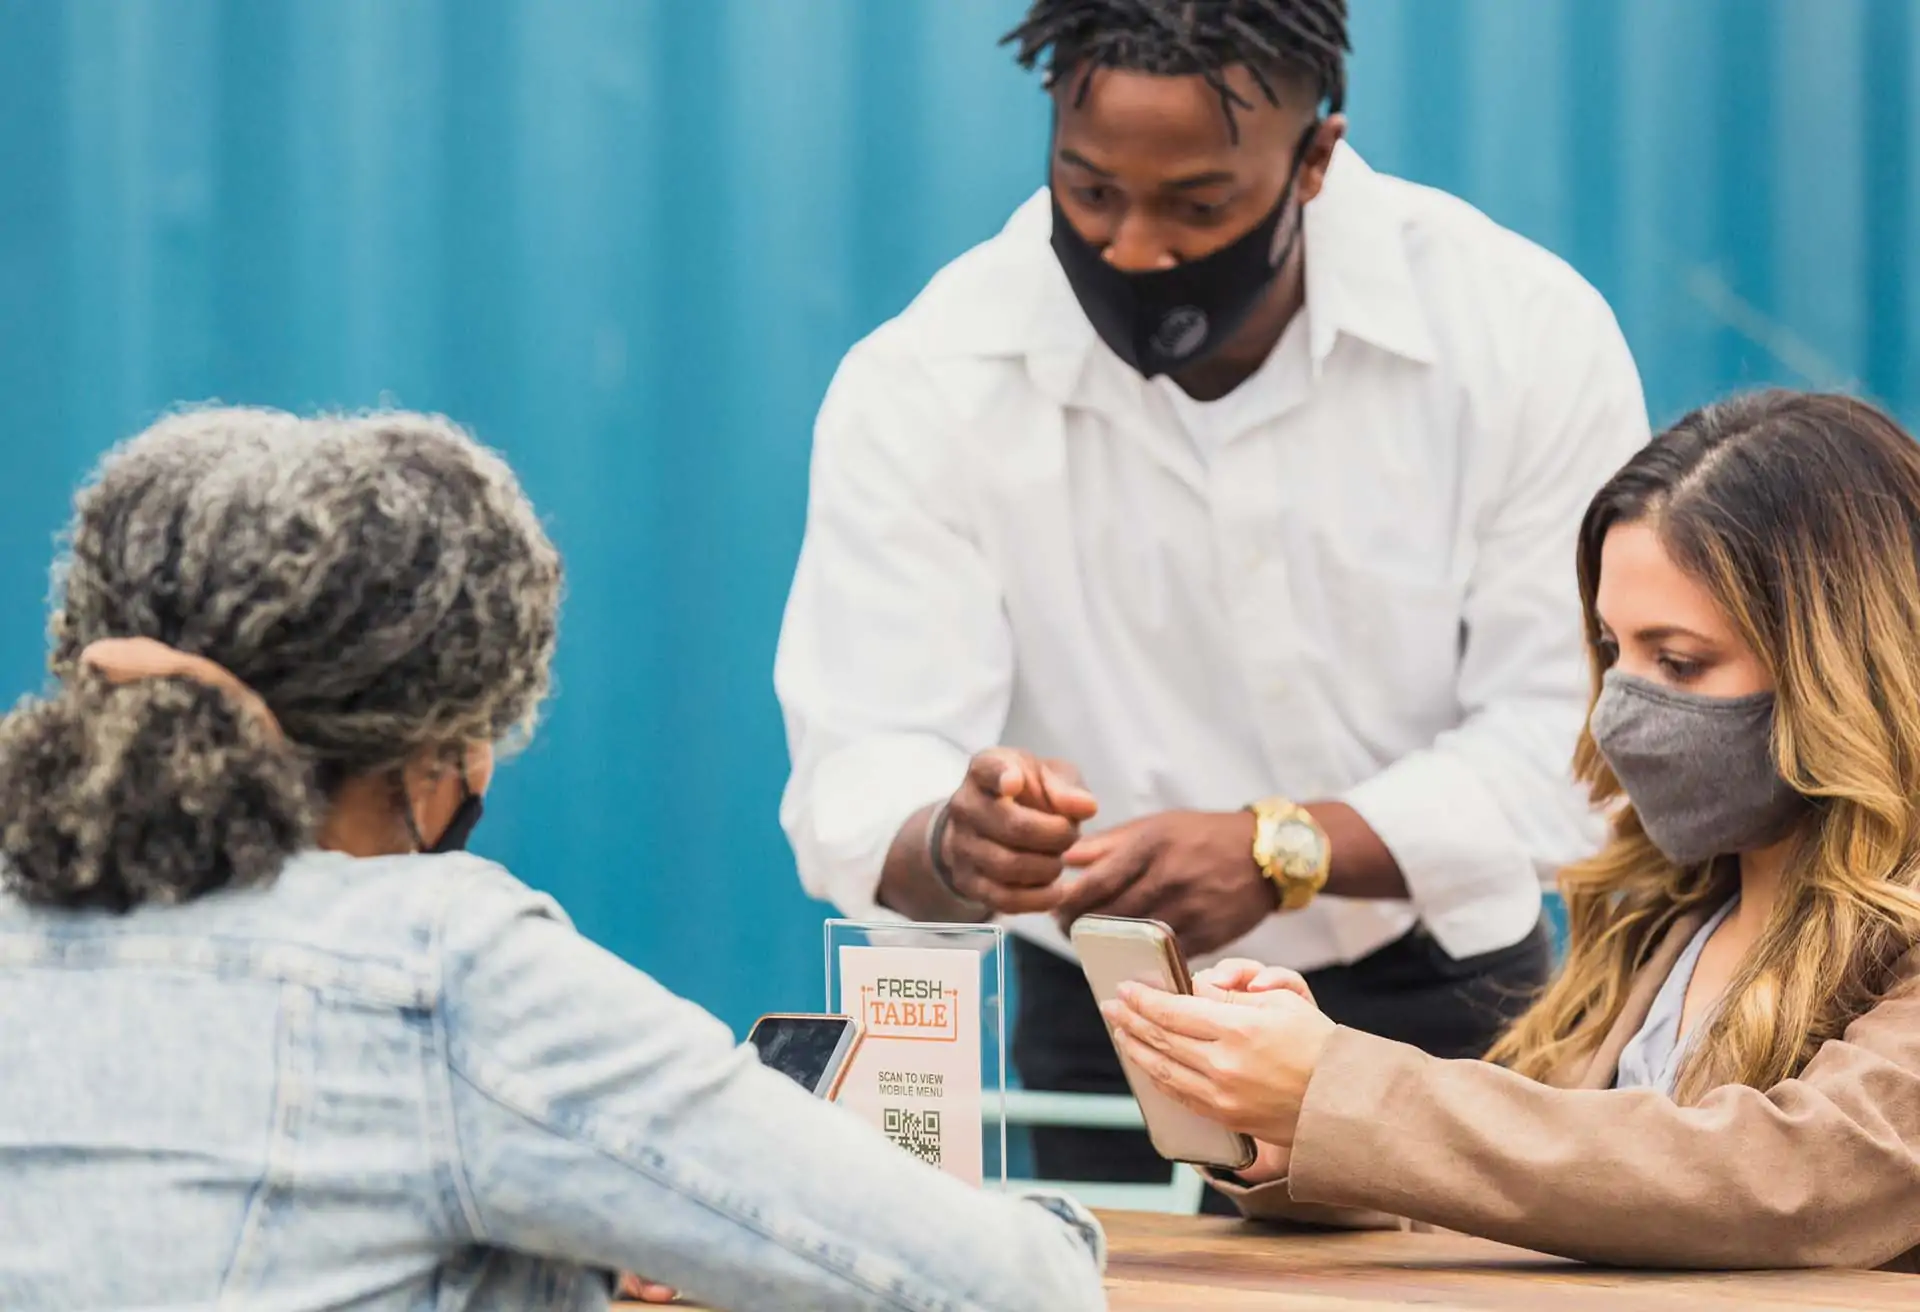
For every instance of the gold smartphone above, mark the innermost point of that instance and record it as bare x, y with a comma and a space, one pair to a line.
815, 1052
1113, 951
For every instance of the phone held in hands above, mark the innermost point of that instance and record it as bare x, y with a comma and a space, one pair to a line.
814, 1052
1113, 951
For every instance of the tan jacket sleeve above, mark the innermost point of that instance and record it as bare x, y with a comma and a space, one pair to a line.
1271, 1203
1821, 1170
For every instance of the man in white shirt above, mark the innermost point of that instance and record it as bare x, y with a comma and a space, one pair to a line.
1202, 543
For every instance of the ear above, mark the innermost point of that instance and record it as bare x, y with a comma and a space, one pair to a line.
418, 777
480, 765
1319, 157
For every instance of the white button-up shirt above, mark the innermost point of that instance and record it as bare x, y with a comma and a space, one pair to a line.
1357, 585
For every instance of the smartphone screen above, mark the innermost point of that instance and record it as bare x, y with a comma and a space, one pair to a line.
812, 1051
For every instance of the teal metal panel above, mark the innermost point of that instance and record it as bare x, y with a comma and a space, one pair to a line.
1738, 176
627, 241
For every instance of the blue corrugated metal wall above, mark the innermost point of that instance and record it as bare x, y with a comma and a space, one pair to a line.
627, 240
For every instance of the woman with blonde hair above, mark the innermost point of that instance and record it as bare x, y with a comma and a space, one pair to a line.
1726, 1072
273, 1039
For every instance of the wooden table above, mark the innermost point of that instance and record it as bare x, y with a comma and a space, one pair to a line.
1198, 1264
1205, 1264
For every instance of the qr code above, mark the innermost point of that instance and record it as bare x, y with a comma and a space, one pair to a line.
917, 1132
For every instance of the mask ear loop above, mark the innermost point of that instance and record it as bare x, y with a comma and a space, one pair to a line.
1279, 257
405, 802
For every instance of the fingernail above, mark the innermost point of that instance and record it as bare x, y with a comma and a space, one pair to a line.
1128, 991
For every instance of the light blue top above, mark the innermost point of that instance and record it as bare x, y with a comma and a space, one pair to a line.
1652, 1057
408, 1084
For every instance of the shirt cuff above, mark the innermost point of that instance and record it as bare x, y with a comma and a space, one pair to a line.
852, 810
1077, 1218
1469, 877
1272, 1202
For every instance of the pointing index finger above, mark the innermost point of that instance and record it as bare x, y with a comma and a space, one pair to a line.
997, 772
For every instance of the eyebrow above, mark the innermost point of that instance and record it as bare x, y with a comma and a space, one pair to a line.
1662, 632
1080, 161
1192, 182
1195, 181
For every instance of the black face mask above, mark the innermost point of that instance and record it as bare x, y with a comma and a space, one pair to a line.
1160, 320
460, 825
465, 819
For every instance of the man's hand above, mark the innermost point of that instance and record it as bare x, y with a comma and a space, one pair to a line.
1192, 869
1008, 826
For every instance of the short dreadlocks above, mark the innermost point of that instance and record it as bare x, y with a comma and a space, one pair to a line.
1181, 38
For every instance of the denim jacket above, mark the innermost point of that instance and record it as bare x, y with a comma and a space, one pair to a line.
407, 1083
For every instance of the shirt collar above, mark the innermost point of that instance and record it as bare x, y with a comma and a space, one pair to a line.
1359, 283
1358, 279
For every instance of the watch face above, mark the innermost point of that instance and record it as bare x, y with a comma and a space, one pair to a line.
1296, 842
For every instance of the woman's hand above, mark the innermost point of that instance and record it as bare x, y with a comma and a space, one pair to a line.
1239, 1056
1239, 975
633, 1287
1269, 1164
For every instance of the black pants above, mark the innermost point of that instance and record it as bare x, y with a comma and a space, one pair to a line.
1410, 990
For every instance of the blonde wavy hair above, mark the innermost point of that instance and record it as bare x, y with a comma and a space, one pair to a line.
1801, 514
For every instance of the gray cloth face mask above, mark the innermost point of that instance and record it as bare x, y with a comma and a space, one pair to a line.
1697, 770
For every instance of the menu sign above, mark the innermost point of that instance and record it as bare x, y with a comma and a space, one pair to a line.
917, 1075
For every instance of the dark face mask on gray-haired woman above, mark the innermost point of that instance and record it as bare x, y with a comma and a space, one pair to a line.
465, 819
458, 831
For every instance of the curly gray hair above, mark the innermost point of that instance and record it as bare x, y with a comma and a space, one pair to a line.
379, 580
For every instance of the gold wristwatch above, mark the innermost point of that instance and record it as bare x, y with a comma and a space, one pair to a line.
1291, 849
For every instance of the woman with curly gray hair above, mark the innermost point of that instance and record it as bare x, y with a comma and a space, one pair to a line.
273, 1040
